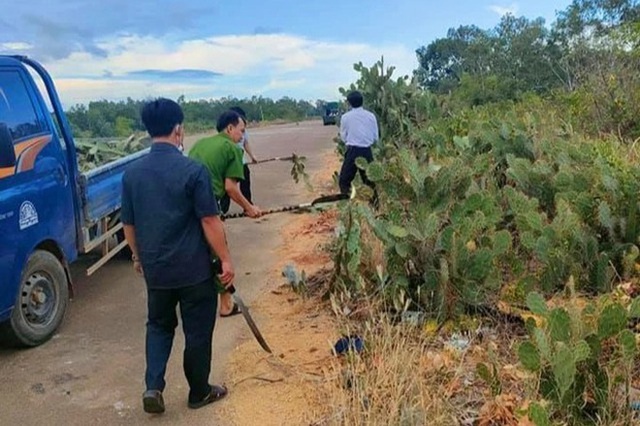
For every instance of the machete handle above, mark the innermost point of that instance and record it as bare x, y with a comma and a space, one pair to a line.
217, 270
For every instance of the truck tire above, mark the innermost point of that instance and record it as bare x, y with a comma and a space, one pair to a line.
41, 304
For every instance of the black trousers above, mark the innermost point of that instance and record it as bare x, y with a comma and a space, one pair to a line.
198, 305
245, 188
349, 169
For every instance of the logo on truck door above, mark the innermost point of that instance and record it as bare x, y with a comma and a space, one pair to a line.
28, 215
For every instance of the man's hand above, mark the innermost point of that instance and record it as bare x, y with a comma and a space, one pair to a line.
253, 212
137, 266
253, 160
227, 275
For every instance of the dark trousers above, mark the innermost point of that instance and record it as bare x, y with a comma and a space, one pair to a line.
198, 305
245, 189
349, 169
245, 185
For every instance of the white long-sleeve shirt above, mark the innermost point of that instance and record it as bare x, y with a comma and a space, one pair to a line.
359, 127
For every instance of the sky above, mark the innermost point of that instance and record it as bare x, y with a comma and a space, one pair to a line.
203, 49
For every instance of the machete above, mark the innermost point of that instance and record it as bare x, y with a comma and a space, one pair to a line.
247, 317
217, 269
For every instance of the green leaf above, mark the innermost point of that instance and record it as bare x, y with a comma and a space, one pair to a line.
559, 325
538, 415
398, 231
543, 248
505, 131
534, 220
528, 240
628, 344
542, 341
612, 321
480, 265
415, 232
581, 352
501, 242
634, 309
604, 216
537, 304
564, 369
403, 249
462, 143
431, 225
375, 172
529, 356
361, 163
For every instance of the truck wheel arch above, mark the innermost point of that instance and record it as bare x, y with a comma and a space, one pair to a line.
53, 248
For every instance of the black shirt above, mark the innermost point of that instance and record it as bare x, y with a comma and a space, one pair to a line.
164, 196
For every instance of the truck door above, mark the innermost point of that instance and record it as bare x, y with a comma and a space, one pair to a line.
36, 196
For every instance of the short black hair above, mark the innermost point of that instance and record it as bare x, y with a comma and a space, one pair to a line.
239, 111
355, 99
227, 118
160, 116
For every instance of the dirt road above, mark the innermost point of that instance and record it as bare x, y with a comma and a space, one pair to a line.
91, 372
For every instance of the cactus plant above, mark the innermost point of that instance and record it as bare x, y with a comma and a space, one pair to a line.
565, 352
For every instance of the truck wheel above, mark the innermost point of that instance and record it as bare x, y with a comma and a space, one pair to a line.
41, 303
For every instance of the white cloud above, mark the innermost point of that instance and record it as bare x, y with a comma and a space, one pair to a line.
17, 45
79, 90
269, 64
505, 10
285, 84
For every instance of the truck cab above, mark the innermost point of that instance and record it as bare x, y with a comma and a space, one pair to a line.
37, 222
331, 113
49, 211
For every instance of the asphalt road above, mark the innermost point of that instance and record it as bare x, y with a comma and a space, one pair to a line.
92, 371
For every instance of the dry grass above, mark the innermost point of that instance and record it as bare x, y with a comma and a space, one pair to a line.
413, 375
408, 375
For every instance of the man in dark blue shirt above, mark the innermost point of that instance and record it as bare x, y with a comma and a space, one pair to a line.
172, 225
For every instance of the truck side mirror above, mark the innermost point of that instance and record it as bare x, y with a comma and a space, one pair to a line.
7, 152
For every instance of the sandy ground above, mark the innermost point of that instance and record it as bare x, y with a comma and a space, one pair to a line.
282, 388
91, 372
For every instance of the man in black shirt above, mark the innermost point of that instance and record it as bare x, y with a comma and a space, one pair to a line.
172, 225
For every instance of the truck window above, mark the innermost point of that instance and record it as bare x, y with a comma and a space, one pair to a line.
49, 107
16, 107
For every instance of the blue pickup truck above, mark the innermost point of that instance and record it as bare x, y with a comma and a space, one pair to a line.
50, 212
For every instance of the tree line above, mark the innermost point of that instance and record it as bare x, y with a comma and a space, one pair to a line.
587, 60
120, 119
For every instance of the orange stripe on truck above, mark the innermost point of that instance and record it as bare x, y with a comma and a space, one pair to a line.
26, 154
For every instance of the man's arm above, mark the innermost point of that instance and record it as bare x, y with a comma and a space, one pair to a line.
234, 173
376, 129
130, 236
343, 128
247, 148
233, 191
206, 208
127, 218
214, 233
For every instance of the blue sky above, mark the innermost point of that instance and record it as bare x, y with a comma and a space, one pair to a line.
115, 49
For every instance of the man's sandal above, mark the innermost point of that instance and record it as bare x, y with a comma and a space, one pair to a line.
234, 311
216, 394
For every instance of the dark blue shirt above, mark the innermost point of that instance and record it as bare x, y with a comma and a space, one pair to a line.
164, 196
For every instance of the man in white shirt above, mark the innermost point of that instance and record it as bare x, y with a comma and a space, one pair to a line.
358, 130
